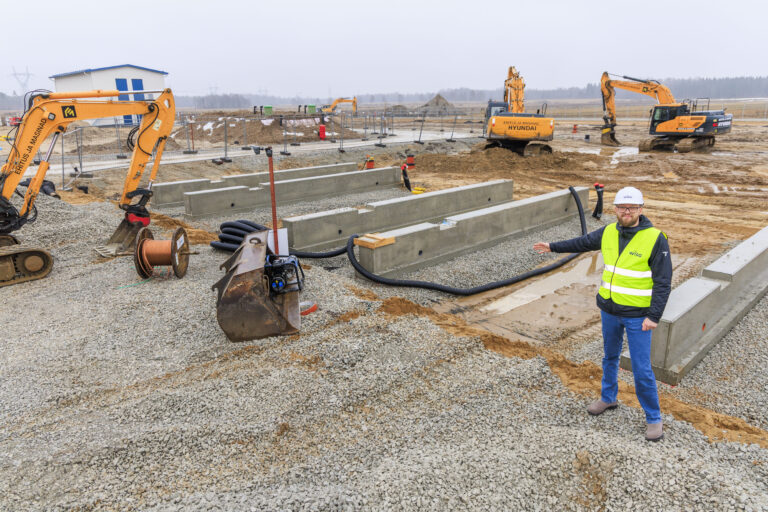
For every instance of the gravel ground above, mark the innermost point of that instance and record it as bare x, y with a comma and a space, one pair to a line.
124, 394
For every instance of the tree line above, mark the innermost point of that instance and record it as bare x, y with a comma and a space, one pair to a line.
720, 88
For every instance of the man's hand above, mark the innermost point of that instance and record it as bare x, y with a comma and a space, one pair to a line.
542, 247
649, 325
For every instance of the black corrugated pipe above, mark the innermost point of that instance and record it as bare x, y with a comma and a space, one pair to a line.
467, 291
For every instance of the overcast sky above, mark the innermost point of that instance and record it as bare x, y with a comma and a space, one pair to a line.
341, 48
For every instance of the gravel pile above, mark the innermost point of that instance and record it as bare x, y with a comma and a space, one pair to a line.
118, 393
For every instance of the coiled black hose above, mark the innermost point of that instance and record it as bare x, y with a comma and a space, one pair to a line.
466, 291
233, 233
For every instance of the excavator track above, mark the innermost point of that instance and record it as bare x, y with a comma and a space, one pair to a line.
19, 263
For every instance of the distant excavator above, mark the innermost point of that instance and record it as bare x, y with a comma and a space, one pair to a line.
674, 125
329, 109
51, 113
508, 125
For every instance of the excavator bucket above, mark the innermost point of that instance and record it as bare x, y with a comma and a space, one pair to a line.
122, 240
608, 137
247, 307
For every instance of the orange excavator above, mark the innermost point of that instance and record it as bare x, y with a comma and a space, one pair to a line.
328, 109
508, 125
49, 114
674, 125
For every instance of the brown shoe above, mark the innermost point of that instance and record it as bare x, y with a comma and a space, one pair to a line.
598, 407
654, 432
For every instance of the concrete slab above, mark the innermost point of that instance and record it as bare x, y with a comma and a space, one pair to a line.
427, 243
323, 230
240, 198
172, 192
702, 310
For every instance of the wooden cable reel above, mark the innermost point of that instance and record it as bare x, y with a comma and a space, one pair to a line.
151, 253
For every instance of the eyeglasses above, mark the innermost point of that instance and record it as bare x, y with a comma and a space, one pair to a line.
629, 209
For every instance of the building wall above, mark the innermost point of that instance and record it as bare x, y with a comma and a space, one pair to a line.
106, 79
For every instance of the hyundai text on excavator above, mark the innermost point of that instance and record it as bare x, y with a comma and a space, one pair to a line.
673, 125
328, 109
508, 125
50, 113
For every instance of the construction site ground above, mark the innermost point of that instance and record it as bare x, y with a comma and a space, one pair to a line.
118, 393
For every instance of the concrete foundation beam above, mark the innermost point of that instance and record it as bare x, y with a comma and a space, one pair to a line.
702, 310
240, 198
323, 230
409, 248
172, 193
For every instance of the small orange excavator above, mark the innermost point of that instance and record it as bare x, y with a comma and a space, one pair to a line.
328, 109
50, 113
674, 125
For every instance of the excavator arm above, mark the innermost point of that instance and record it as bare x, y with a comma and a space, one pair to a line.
650, 88
51, 113
514, 86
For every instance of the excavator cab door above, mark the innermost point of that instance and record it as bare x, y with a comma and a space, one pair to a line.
659, 115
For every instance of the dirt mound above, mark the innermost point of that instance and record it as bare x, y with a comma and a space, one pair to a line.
438, 104
196, 236
209, 131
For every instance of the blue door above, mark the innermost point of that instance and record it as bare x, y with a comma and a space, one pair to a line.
122, 85
137, 84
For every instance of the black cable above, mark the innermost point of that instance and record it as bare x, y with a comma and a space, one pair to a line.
138, 139
476, 289
328, 254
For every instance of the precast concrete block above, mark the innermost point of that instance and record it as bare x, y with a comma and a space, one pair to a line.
322, 230
256, 178
702, 310
172, 193
427, 244
241, 198
229, 199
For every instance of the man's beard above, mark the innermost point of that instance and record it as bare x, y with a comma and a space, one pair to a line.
628, 222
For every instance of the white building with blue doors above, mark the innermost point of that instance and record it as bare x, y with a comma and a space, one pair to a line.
125, 77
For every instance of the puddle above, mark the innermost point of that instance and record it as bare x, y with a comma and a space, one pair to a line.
542, 287
543, 310
623, 152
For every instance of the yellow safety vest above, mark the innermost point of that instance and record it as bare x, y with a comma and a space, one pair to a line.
627, 278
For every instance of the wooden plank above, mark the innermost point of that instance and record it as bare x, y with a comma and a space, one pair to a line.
374, 240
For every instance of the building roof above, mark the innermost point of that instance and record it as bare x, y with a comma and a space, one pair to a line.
83, 71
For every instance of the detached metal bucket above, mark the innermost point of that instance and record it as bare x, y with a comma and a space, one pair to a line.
246, 308
608, 137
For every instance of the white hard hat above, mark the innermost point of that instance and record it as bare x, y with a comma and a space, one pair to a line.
628, 195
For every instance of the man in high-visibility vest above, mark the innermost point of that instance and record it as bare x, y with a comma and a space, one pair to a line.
635, 286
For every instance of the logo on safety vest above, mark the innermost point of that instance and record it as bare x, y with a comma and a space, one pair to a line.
68, 111
635, 253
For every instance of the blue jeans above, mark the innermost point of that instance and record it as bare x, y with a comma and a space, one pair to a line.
639, 342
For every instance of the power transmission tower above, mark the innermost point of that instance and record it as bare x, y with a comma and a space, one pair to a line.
22, 78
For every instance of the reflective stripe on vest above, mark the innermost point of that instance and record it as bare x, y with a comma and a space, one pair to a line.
627, 277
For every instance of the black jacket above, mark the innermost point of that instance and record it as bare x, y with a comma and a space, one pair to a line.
660, 263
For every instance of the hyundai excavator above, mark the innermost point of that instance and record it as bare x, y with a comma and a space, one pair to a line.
49, 114
674, 125
509, 126
328, 109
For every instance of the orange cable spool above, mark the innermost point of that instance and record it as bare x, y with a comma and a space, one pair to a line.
151, 253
